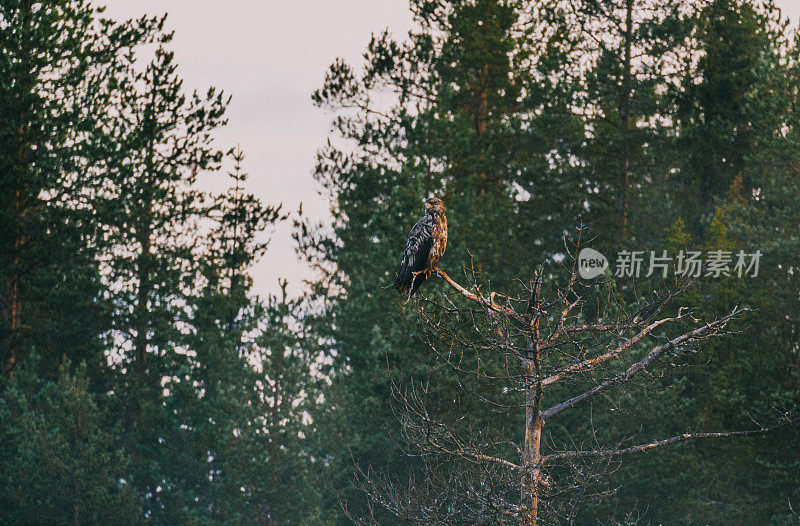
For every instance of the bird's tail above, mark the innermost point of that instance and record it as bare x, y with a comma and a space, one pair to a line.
398, 284
401, 282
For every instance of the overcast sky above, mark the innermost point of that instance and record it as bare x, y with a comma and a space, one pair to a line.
271, 55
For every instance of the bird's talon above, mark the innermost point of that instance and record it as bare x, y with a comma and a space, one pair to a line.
409, 297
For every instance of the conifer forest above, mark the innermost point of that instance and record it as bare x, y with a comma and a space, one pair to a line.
610, 338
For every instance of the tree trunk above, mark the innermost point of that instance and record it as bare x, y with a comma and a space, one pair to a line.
482, 115
531, 457
144, 382
531, 451
142, 297
14, 305
19, 209
624, 122
144, 233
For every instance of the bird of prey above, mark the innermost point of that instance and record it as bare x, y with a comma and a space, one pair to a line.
424, 248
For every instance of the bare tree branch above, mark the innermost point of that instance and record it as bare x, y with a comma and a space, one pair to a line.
700, 332
589, 364
650, 445
508, 348
475, 297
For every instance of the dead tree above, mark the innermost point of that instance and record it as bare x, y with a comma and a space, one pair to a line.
554, 349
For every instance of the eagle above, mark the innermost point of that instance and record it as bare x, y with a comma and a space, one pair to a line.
424, 248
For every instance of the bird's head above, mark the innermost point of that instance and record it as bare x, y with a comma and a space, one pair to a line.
434, 205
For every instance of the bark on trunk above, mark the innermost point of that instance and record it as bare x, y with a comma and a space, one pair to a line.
19, 209
531, 458
142, 296
482, 116
144, 233
624, 122
531, 452
14, 306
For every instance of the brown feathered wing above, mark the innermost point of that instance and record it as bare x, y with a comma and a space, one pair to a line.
415, 256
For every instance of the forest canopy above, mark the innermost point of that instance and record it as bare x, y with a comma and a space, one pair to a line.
145, 381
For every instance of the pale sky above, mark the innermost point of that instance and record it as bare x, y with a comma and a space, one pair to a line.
270, 55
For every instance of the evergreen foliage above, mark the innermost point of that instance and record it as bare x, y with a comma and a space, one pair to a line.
527, 120
144, 382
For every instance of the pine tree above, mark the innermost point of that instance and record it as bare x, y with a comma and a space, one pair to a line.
469, 124
528, 120
716, 120
55, 65
214, 436
151, 219
60, 463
